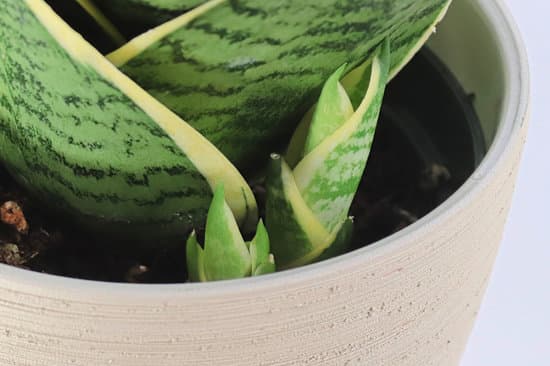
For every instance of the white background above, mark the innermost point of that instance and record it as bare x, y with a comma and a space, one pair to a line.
513, 327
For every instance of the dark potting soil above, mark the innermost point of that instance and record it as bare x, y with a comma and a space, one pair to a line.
428, 142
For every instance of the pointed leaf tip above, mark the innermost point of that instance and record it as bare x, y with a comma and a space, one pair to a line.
226, 255
332, 110
195, 259
259, 247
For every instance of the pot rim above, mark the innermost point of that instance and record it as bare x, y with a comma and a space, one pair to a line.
514, 113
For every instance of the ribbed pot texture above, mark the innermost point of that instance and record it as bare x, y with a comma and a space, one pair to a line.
410, 299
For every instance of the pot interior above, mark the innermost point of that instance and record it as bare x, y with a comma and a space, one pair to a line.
469, 46
451, 127
434, 132
429, 141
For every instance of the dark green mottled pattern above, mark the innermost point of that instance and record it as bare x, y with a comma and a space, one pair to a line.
6, 112
146, 12
289, 240
244, 73
407, 38
334, 184
77, 141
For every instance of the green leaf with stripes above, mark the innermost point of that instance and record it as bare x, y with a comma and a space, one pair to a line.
85, 138
244, 72
307, 207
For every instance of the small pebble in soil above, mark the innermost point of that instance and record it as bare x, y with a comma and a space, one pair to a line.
9, 254
433, 176
136, 273
12, 214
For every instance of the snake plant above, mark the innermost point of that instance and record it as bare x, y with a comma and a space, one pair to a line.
134, 142
226, 255
307, 206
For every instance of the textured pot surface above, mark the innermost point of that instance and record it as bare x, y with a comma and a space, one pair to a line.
410, 299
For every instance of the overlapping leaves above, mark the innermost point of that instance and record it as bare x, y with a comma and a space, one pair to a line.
134, 143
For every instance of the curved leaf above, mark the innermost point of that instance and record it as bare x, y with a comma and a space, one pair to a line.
297, 237
243, 71
329, 175
96, 144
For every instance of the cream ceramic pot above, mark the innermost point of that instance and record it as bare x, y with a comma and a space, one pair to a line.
410, 299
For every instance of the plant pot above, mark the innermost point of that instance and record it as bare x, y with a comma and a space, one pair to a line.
410, 298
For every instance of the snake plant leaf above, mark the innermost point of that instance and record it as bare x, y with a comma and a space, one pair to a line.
244, 72
226, 255
334, 108
403, 47
89, 141
146, 12
307, 207
259, 249
297, 237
